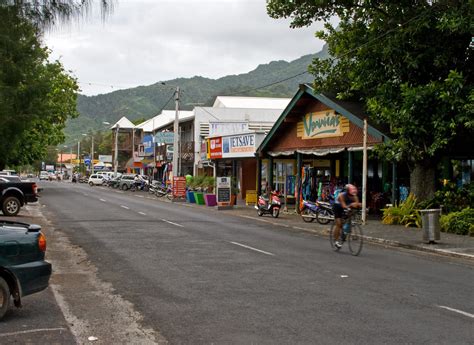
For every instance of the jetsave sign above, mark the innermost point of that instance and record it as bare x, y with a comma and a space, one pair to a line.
233, 146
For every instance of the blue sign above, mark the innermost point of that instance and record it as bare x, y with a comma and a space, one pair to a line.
148, 145
164, 137
87, 161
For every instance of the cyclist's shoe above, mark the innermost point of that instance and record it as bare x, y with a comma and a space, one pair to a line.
337, 244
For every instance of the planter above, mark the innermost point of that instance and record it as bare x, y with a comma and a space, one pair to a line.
199, 197
210, 199
190, 197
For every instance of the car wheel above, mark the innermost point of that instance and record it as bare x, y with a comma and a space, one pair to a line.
91, 184
4, 297
124, 187
11, 206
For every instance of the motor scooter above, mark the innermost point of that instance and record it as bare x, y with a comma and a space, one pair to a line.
270, 205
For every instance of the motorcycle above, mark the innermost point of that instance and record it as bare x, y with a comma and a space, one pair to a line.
270, 205
74, 179
320, 211
325, 212
161, 190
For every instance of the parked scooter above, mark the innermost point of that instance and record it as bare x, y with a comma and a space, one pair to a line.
325, 212
270, 205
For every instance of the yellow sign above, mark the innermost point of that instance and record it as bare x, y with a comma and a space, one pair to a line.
322, 124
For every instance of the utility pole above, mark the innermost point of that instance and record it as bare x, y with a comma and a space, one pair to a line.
176, 171
116, 150
79, 155
364, 174
92, 154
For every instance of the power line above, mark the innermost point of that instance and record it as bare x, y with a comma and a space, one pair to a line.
331, 59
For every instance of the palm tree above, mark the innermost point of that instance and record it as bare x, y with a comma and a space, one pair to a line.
46, 13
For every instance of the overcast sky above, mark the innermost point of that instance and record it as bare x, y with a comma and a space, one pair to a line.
146, 41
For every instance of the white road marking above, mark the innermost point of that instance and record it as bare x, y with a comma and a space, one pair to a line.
252, 248
139, 196
34, 331
167, 221
344, 276
85, 194
125, 207
142, 213
103, 200
119, 191
457, 311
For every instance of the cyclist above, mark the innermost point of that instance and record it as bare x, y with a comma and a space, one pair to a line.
346, 199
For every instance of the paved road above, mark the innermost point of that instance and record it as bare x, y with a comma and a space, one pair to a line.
197, 276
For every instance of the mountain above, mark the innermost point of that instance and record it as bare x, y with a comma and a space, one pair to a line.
147, 101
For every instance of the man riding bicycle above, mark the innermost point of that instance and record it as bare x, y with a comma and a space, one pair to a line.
345, 200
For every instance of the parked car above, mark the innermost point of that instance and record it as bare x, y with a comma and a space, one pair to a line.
95, 180
23, 270
44, 175
126, 181
15, 194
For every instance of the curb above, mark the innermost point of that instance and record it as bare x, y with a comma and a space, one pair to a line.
370, 239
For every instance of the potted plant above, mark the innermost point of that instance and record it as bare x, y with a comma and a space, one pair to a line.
210, 197
198, 187
190, 190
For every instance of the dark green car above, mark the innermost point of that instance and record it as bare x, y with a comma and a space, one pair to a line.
23, 270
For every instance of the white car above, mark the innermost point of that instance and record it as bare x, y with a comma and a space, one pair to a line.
44, 175
96, 180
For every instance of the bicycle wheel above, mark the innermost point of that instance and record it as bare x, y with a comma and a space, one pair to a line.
331, 237
355, 239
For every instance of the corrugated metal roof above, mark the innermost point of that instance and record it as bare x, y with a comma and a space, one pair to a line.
123, 123
165, 118
251, 102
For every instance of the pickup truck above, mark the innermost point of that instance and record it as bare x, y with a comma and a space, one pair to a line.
23, 270
15, 194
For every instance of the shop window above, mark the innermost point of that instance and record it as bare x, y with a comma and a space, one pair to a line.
282, 172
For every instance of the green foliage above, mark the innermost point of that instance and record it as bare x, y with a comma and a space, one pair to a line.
197, 183
404, 214
208, 184
461, 223
36, 96
451, 198
409, 62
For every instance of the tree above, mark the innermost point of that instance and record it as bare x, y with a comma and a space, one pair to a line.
46, 13
36, 96
409, 62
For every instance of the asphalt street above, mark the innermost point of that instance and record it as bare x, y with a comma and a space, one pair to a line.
197, 276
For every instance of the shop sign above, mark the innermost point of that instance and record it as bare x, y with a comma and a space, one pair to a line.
105, 158
322, 124
203, 153
215, 148
148, 145
223, 191
238, 146
164, 137
226, 128
51, 167
179, 186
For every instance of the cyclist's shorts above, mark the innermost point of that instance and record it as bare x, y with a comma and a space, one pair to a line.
338, 211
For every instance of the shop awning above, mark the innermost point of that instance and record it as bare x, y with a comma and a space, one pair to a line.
316, 152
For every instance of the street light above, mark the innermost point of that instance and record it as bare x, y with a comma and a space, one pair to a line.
92, 147
116, 149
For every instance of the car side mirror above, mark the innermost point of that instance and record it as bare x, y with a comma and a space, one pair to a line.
34, 228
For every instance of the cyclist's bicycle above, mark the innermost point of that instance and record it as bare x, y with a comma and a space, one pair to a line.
351, 232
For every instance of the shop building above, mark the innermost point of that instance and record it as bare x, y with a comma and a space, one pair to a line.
316, 146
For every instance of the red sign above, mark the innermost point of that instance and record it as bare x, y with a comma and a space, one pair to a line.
179, 187
215, 148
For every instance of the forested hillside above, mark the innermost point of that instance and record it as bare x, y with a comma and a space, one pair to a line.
146, 101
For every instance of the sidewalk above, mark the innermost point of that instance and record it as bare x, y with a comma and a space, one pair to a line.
374, 231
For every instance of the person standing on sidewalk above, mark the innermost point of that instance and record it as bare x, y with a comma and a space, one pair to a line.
346, 199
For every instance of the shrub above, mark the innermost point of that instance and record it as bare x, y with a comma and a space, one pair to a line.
404, 214
208, 184
452, 198
461, 223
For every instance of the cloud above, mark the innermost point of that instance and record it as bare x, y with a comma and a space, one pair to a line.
143, 42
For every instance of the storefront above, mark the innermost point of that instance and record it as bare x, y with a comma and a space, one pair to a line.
234, 155
316, 146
